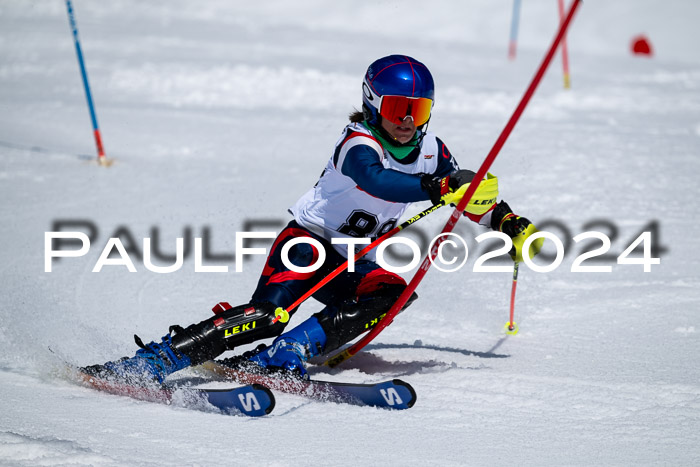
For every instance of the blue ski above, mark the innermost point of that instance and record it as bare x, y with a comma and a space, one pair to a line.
253, 399
393, 394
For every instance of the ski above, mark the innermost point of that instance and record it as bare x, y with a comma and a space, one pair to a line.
394, 394
253, 400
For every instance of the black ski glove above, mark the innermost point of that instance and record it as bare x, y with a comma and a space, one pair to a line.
437, 187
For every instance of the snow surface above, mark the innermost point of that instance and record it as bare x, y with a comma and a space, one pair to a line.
221, 112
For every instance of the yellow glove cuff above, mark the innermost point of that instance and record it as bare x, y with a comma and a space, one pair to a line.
483, 200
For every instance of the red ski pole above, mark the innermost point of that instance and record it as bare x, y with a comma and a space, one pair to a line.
423, 269
282, 314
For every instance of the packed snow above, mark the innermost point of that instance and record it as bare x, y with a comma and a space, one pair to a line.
218, 115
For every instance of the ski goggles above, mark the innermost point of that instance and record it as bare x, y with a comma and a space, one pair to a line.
397, 108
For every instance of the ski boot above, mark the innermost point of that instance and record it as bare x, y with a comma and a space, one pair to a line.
288, 353
182, 347
150, 366
322, 333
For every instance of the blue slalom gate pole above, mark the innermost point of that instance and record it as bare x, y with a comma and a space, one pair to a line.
514, 29
95, 128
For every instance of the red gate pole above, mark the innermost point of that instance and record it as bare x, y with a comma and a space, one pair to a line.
564, 50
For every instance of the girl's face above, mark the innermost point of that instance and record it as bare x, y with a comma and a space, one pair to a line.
401, 133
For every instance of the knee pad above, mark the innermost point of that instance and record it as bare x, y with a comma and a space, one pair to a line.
353, 317
230, 327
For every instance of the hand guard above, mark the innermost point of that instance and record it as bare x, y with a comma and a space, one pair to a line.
518, 229
452, 188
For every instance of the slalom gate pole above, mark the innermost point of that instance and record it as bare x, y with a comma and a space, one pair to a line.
78, 50
512, 45
282, 314
564, 50
452, 221
511, 327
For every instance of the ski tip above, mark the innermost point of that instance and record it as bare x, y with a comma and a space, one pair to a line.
266, 390
410, 389
253, 400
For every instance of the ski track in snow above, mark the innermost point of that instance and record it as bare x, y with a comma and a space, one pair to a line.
217, 113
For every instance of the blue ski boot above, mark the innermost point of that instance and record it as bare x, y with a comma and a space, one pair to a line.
290, 351
151, 364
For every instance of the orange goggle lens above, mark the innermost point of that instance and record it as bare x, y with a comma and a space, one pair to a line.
397, 108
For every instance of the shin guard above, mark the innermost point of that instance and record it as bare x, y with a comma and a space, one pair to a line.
353, 317
230, 327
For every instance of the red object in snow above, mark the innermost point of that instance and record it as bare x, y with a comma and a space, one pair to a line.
641, 46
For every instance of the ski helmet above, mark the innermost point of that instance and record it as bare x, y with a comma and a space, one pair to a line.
396, 87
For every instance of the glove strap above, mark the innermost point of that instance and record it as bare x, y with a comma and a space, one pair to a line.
444, 186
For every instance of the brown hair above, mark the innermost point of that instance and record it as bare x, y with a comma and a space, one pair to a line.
356, 116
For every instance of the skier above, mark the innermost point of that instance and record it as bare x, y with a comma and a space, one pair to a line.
384, 160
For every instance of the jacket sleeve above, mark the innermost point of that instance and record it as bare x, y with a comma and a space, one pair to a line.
362, 165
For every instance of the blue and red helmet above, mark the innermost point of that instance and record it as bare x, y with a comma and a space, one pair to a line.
396, 87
